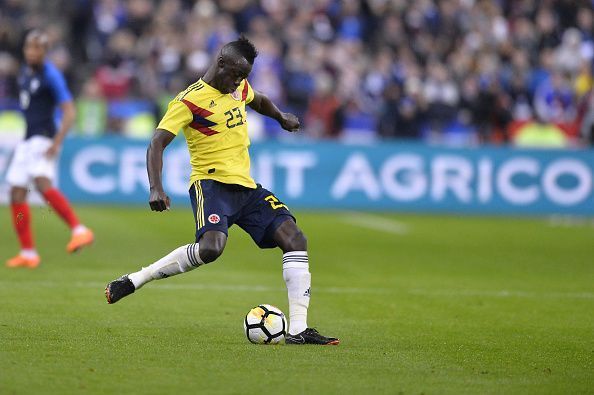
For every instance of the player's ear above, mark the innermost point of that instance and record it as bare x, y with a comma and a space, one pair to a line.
221, 62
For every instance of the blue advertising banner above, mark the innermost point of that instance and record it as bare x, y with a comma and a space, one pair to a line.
329, 175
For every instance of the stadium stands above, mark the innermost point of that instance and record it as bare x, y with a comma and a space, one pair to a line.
459, 72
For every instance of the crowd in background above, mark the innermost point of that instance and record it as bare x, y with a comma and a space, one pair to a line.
445, 71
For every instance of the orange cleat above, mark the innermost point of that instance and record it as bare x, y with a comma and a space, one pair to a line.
80, 240
22, 261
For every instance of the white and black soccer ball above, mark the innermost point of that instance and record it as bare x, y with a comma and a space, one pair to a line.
265, 324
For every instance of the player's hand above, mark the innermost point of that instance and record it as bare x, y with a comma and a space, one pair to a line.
289, 122
52, 151
158, 200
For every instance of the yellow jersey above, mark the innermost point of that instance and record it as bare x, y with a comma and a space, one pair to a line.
215, 127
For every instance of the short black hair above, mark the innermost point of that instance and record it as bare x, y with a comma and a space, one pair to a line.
37, 34
243, 47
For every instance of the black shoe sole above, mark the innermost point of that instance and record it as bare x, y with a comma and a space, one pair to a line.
335, 342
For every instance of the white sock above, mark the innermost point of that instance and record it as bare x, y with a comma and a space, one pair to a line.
180, 260
298, 280
29, 253
78, 229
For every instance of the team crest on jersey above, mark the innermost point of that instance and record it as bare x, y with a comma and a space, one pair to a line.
214, 218
236, 95
212, 104
34, 85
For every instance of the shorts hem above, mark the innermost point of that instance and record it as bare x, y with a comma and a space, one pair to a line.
200, 232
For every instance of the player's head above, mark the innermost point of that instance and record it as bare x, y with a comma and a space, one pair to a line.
234, 64
36, 43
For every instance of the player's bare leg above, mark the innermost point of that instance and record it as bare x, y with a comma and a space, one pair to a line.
81, 235
293, 243
181, 260
21, 219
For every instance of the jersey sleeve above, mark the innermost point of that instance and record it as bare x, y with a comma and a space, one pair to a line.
178, 116
58, 85
248, 92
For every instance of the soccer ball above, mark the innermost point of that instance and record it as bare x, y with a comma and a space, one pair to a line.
265, 324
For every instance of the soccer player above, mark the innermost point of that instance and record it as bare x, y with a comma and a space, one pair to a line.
212, 114
42, 89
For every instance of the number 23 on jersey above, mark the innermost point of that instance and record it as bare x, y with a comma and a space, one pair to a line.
234, 117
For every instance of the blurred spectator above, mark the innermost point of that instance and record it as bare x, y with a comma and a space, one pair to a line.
441, 95
323, 118
115, 75
400, 117
91, 110
8, 86
568, 56
554, 99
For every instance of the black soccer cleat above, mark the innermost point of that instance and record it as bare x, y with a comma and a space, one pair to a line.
311, 336
119, 288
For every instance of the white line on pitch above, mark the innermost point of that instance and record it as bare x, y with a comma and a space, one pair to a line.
263, 288
375, 222
568, 221
205, 287
503, 294
331, 290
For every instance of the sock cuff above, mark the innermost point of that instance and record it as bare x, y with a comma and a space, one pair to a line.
20, 206
295, 260
192, 252
295, 253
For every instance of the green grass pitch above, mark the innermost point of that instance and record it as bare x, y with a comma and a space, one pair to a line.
422, 304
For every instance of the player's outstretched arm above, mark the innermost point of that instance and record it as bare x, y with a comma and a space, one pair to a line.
158, 199
262, 104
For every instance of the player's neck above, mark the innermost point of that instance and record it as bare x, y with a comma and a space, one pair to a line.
35, 66
210, 78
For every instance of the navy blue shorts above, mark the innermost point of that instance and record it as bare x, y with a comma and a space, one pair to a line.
218, 206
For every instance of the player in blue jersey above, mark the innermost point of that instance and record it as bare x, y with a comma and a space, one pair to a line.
42, 89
